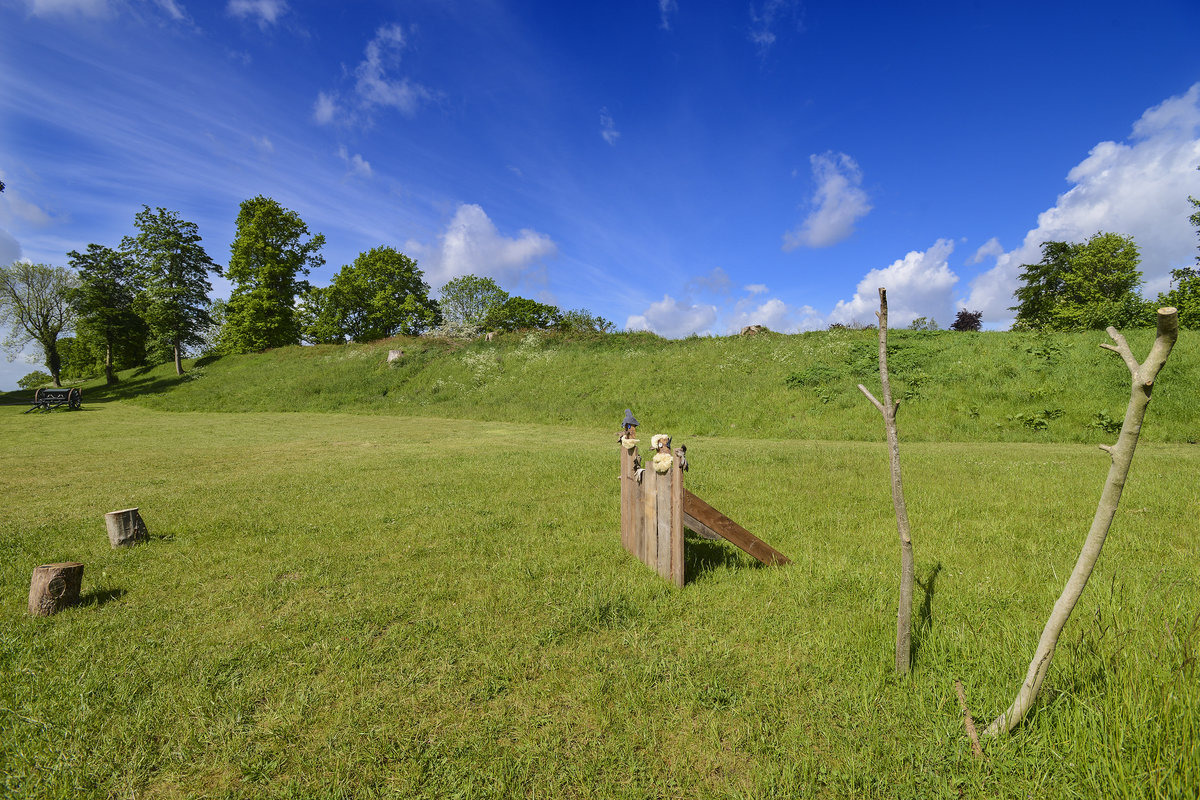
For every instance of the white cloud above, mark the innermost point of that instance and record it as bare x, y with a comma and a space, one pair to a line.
264, 12
472, 245
989, 249
665, 9
838, 201
673, 319
918, 285
764, 18
264, 145
355, 164
375, 87
608, 129
87, 8
756, 288
775, 314
325, 108
1137, 188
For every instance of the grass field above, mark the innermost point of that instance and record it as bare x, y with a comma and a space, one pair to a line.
347, 605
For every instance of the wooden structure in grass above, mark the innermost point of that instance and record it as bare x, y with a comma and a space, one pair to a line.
655, 509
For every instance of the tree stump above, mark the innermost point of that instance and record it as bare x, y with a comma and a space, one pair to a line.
394, 356
53, 587
125, 527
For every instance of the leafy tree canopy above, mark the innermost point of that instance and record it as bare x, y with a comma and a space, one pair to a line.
172, 268
516, 313
266, 260
1082, 286
34, 380
104, 303
35, 305
923, 324
467, 299
381, 294
584, 321
967, 321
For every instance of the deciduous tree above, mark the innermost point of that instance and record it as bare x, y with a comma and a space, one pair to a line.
266, 260
382, 294
104, 302
1082, 286
173, 269
467, 299
35, 304
967, 321
521, 312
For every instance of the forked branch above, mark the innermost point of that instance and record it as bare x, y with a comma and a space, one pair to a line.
1143, 377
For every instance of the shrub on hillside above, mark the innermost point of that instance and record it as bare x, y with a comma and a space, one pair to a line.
34, 379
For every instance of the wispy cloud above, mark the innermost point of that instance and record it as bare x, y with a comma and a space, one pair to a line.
472, 245
666, 10
765, 18
355, 164
85, 8
608, 128
264, 12
376, 84
264, 145
1137, 188
838, 202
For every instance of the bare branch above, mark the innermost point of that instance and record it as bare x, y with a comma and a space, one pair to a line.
968, 720
1122, 349
871, 397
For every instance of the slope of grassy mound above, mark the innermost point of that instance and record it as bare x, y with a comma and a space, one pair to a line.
989, 386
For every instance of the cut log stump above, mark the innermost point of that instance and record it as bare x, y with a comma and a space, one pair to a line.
54, 587
125, 527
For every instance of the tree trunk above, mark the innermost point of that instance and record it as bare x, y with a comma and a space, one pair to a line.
125, 527
1122, 456
109, 377
53, 587
54, 363
178, 358
907, 567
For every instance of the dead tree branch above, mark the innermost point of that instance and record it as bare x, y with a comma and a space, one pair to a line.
1143, 377
907, 568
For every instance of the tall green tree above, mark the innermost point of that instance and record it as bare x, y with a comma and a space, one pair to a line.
467, 299
172, 268
104, 303
35, 305
267, 262
382, 294
516, 313
1079, 286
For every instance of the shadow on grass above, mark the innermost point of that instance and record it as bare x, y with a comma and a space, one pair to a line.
701, 556
925, 614
98, 597
132, 387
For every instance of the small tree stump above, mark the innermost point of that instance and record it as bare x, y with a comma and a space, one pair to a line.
395, 355
125, 527
53, 587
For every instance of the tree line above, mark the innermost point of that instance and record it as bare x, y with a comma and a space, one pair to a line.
146, 301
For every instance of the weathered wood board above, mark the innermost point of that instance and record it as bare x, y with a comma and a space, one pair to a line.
655, 509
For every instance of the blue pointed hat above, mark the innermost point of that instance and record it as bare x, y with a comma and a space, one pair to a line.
629, 420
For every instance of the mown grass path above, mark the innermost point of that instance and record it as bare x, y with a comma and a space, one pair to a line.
345, 605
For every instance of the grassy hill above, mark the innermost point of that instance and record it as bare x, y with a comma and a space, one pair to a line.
990, 386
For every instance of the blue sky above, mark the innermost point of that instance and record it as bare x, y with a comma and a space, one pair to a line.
684, 167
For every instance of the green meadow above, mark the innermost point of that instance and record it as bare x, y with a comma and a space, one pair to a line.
407, 581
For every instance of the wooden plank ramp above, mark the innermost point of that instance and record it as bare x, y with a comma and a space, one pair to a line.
710, 523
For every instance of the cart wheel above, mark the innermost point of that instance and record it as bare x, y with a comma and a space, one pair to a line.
76, 399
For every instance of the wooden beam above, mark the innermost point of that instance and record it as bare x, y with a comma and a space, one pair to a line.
697, 511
